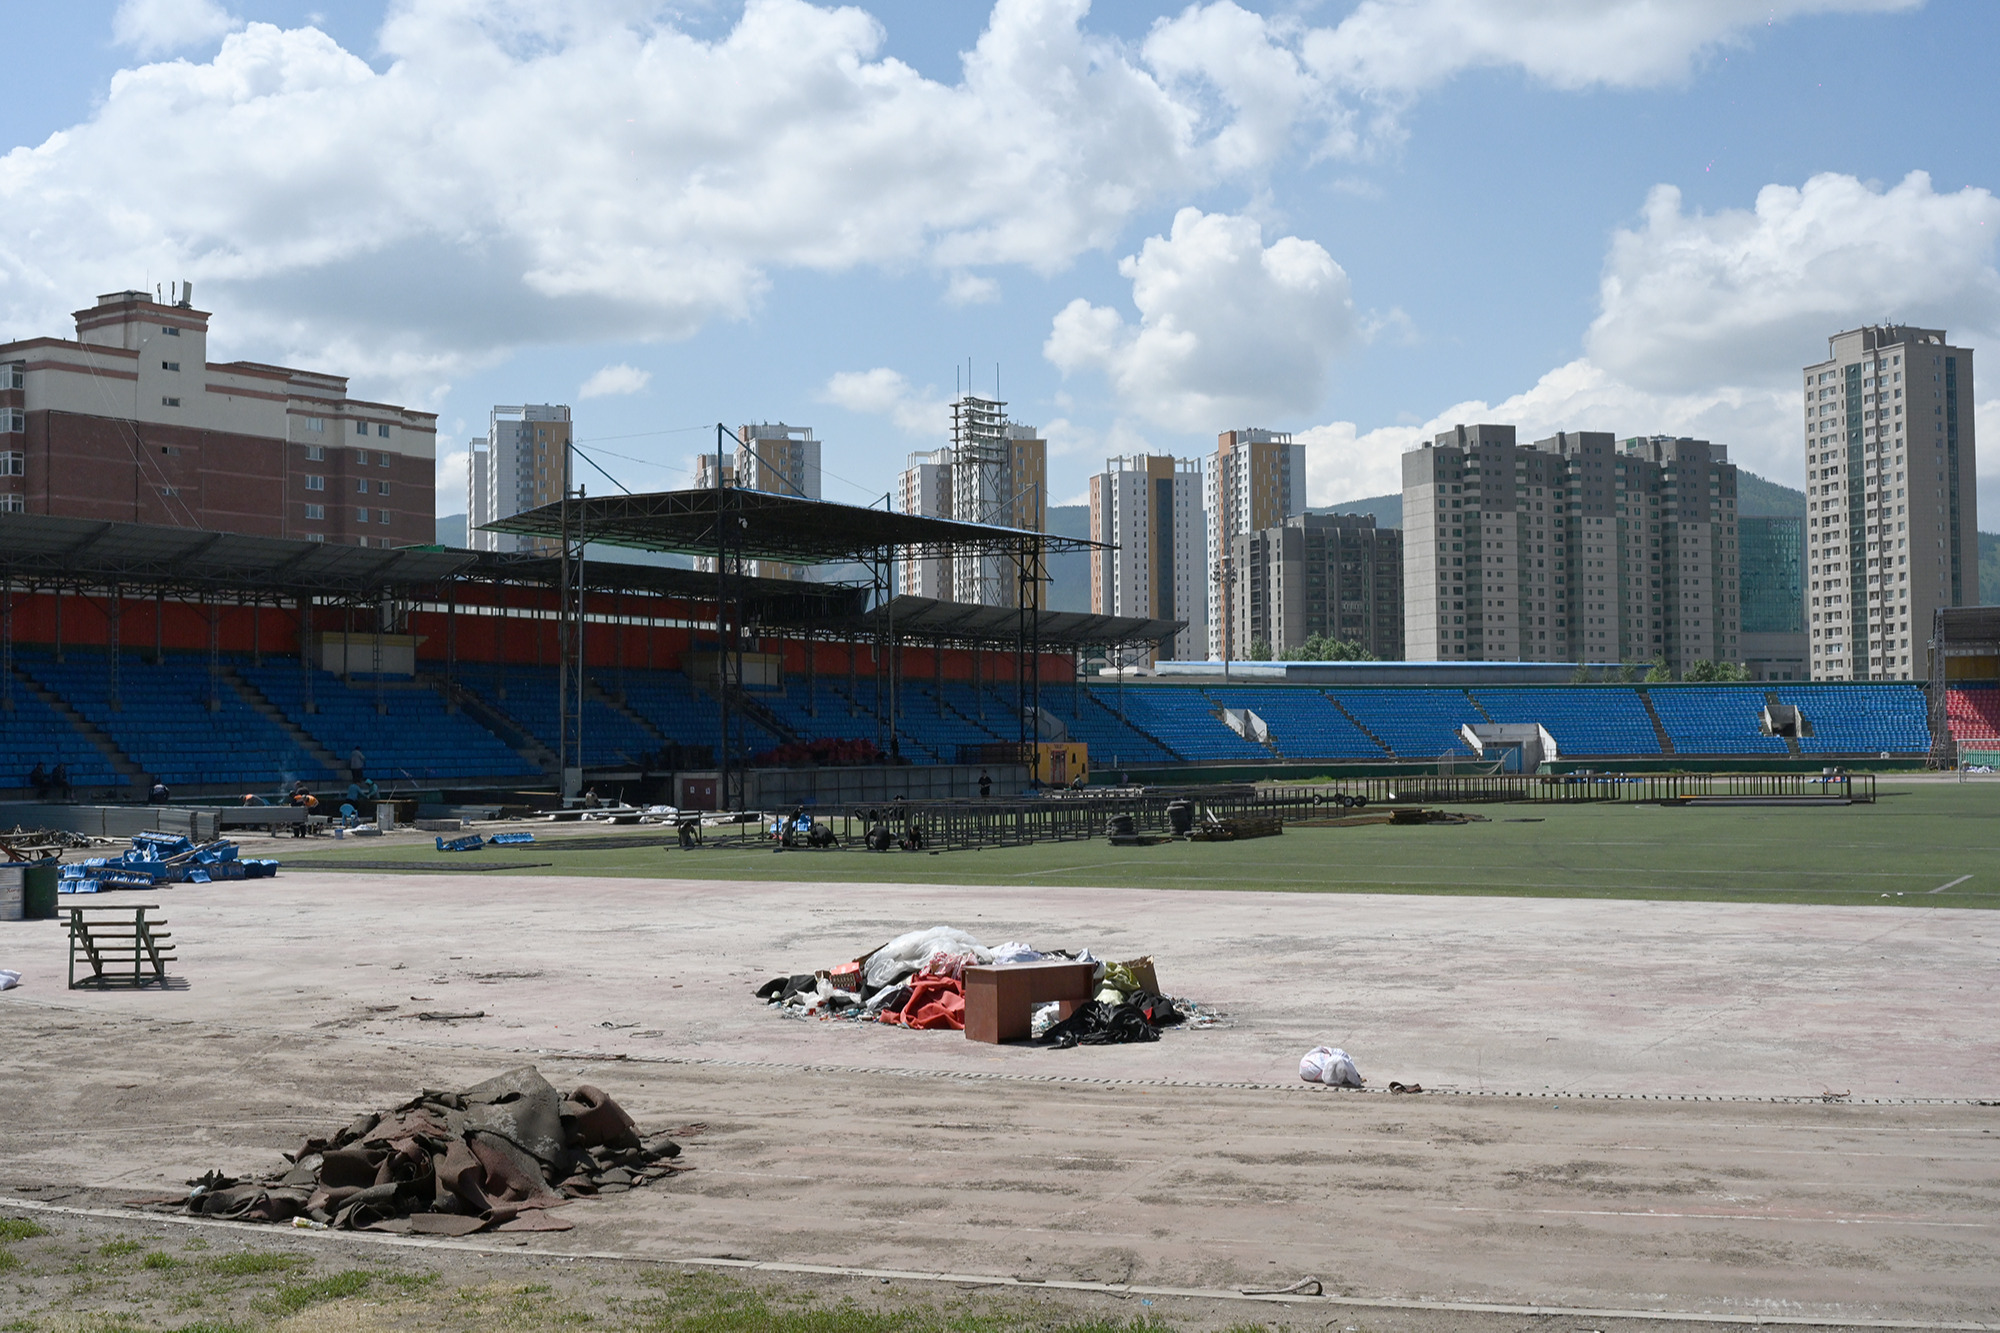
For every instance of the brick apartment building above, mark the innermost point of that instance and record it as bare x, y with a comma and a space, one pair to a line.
131, 422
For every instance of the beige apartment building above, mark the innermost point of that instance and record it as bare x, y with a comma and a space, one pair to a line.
1580, 548
522, 464
1148, 507
1256, 479
1891, 516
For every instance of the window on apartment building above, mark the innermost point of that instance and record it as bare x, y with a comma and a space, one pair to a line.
315, 536
360, 428
361, 516
13, 504
316, 423
169, 402
10, 375
170, 330
315, 453
381, 488
174, 366
382, 460
315, 483
316, 512
13, 465
168, 490
12, 421
361, 485
381, 516
382, 431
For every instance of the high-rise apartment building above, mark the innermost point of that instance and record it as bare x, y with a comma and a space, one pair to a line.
1335, 576
1255, 479
517, 467
131, 422
995, 471
1579, 549
1891, 519
1773, 582
1148, 507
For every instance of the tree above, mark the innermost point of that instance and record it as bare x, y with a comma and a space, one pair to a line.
1701, 671
1626, 674
1581, 676
1260, 650
1323, 648
1660, 673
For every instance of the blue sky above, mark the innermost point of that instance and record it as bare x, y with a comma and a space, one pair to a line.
1355, 221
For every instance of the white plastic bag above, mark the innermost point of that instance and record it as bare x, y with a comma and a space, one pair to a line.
906, 953
1330, 1065
9, 980
1015, 952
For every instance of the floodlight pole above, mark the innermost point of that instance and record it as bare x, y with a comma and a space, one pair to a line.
570, 635
721, 623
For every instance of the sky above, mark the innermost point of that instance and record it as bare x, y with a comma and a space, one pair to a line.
1360, 221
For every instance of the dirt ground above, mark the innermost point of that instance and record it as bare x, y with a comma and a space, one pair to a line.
1625, 1112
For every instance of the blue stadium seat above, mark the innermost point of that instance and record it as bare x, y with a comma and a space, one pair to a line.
1416, 722
1303, 723
416, 740
1714, 719
1596, 720
1865, 718
164, 723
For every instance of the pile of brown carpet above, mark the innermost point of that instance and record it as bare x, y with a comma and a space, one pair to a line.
493, 1157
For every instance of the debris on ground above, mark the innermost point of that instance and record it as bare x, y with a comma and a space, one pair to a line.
1330, 1065
498, 1156
33, 844
917, 980
163, 858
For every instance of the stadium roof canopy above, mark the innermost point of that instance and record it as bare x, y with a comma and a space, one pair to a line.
1970, 630
767, 526
40, 551
917, 619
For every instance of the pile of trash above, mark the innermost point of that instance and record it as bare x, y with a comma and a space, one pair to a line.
497, 1156
917, 980
163, 858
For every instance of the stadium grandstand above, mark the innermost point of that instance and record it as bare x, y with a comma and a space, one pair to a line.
227, 664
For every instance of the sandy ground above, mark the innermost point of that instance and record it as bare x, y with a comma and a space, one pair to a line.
1199, 1161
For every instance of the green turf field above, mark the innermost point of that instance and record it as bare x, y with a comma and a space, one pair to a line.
1921, 844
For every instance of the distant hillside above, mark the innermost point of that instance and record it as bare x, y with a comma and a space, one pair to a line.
1755, 498
451, 531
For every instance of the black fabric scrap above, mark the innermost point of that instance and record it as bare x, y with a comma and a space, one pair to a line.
1100, 1024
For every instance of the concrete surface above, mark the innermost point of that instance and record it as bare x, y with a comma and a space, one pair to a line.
1199, 1160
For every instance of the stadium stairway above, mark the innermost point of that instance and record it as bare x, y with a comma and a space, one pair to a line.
593, 688
258, 700
510, 733
44, 721
1791, 742
1361, 727
1659, 727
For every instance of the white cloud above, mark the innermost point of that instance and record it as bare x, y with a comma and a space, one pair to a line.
884, 392
513, 171
971, 289
1255, 83
158, 27
453, 473
1749, 296
1705, 321
1228, 328
614, 380
510, 173
1400, 47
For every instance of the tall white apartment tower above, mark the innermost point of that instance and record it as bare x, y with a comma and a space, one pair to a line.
784, 460
1891, 520
1256, 479
517, 467
1149, 507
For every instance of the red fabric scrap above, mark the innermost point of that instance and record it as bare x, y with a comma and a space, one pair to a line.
935, 1003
